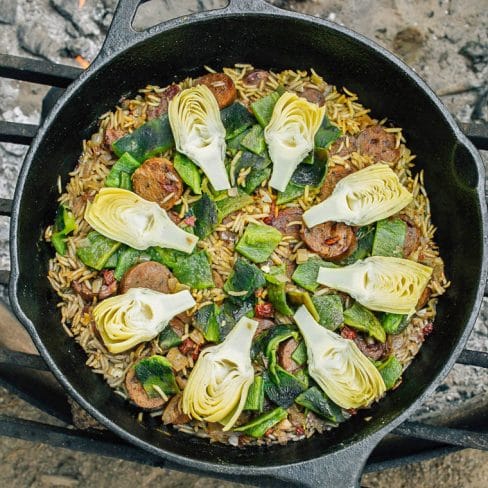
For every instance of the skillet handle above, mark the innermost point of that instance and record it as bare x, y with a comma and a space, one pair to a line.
341, 469
121, 33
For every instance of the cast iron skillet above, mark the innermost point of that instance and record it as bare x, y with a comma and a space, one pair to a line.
256, 32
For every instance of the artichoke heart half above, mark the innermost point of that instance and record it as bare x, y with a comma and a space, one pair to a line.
125, 217
370, 194
218, 384
136, 316
343, 372
199, 133
380, 283
290, 135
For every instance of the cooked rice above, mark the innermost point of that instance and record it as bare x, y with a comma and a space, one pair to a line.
344, 110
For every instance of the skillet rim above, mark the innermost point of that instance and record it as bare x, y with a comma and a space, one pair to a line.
106, 55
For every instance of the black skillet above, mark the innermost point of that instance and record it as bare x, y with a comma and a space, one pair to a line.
255, 32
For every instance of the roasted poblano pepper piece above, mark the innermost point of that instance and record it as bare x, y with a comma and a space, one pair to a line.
364, 237
228, 205
205, 212
152, 138
166, 256
168, 339
127, 257
329, 308
194, 271
97, 251
156, 373
189, 172
317, 401
362, 319
391, 371
306, 273
64, 224
254, 140
310, 174
296, 297
244, 277
258, 242
300, 354
325, 136
282, 388
263, 108
292, 192
121, 171
206, 321
236, 119
277, 279
389, 238
394, 323
259, 426
255, 395
278, 334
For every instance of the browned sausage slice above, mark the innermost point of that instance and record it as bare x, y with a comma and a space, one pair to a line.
380, 145
331, 240
156, 180
412, 237
288, 221
344, 146
313, 95
256, 77
221, 86
162, 108
424, 298
334, 175
374, 351
173, 413
112, 135
150, 275
138, 394
263, 324
285, 350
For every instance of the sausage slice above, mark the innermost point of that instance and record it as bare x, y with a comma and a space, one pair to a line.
173, 413
221, 86
150, 275
263, 324
334, 175
344, 146
313, 95
285, 350
256, 77
331, 240
138, 394
156, 180
424, 298
412, 237
283, 221
380, 145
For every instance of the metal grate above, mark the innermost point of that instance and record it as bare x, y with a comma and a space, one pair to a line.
408, 443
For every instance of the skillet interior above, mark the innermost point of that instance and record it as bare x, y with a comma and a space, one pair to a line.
451, 179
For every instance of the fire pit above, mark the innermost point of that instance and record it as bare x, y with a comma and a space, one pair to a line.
20, 371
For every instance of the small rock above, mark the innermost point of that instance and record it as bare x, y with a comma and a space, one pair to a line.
8, 11
408, 43
477, 53
34, 38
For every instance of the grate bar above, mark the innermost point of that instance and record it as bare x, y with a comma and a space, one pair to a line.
22, 359
5, 206
17, 133
477, 133
37, 71
445, 435
89, 442
473, 358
